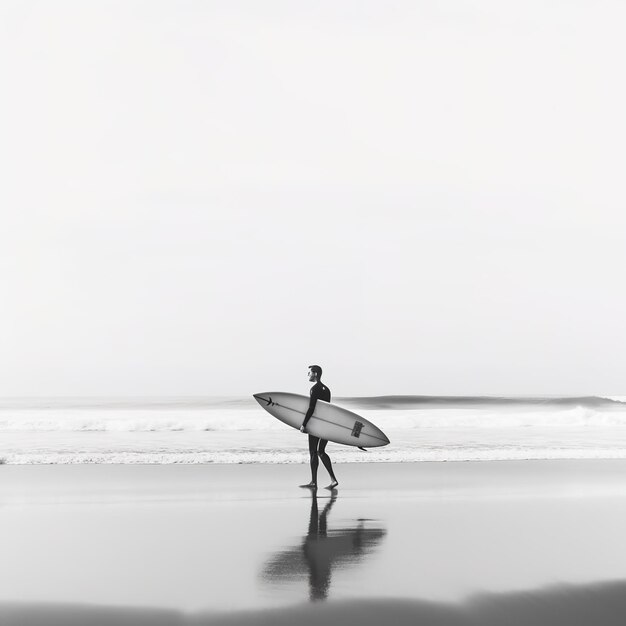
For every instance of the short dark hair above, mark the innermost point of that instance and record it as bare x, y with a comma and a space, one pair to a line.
316, 369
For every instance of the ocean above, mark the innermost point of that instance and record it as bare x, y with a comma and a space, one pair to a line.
237, 430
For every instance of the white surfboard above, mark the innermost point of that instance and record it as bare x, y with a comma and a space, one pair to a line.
328, 421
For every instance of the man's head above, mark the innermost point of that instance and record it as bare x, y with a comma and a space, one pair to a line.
315, 373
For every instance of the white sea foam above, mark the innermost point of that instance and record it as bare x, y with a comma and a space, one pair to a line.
299, 456
133, 420
238, 431
163, 420
491, 418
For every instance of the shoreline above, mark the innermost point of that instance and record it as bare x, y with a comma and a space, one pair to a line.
178, 483
620, 457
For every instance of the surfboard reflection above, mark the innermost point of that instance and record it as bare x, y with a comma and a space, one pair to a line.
322, 550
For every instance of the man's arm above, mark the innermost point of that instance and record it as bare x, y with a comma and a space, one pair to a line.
310, 410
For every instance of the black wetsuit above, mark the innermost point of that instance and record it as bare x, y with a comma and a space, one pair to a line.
319, 391
317, 446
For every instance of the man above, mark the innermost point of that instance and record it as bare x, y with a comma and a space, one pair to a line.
317, 446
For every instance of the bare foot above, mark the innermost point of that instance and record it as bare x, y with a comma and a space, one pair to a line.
310, 485
332, 485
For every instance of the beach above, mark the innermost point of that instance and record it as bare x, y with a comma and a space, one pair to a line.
236, 235
456, 542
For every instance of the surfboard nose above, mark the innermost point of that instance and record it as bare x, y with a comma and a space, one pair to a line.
261, 398
384, 437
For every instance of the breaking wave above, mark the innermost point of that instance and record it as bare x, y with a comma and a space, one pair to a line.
237, 430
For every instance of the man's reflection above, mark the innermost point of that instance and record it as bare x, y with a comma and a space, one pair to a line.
315, 548
322, 550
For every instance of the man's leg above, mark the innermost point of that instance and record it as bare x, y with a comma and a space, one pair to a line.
313, 441
321, 450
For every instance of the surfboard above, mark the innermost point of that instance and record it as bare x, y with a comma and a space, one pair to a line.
328, 421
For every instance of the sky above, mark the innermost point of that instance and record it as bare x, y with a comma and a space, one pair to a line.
204, 198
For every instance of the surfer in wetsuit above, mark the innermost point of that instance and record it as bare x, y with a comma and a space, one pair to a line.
317, 446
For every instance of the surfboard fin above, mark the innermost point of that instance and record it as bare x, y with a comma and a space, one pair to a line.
359, 447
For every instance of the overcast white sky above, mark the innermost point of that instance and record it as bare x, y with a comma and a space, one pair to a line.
207, 197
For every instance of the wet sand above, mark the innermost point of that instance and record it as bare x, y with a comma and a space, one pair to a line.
537, 541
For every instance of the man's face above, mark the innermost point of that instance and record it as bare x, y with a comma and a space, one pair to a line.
312, 375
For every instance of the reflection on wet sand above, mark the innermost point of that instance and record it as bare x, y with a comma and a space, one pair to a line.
322, 550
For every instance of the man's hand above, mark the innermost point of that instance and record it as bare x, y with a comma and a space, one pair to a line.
302, 429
